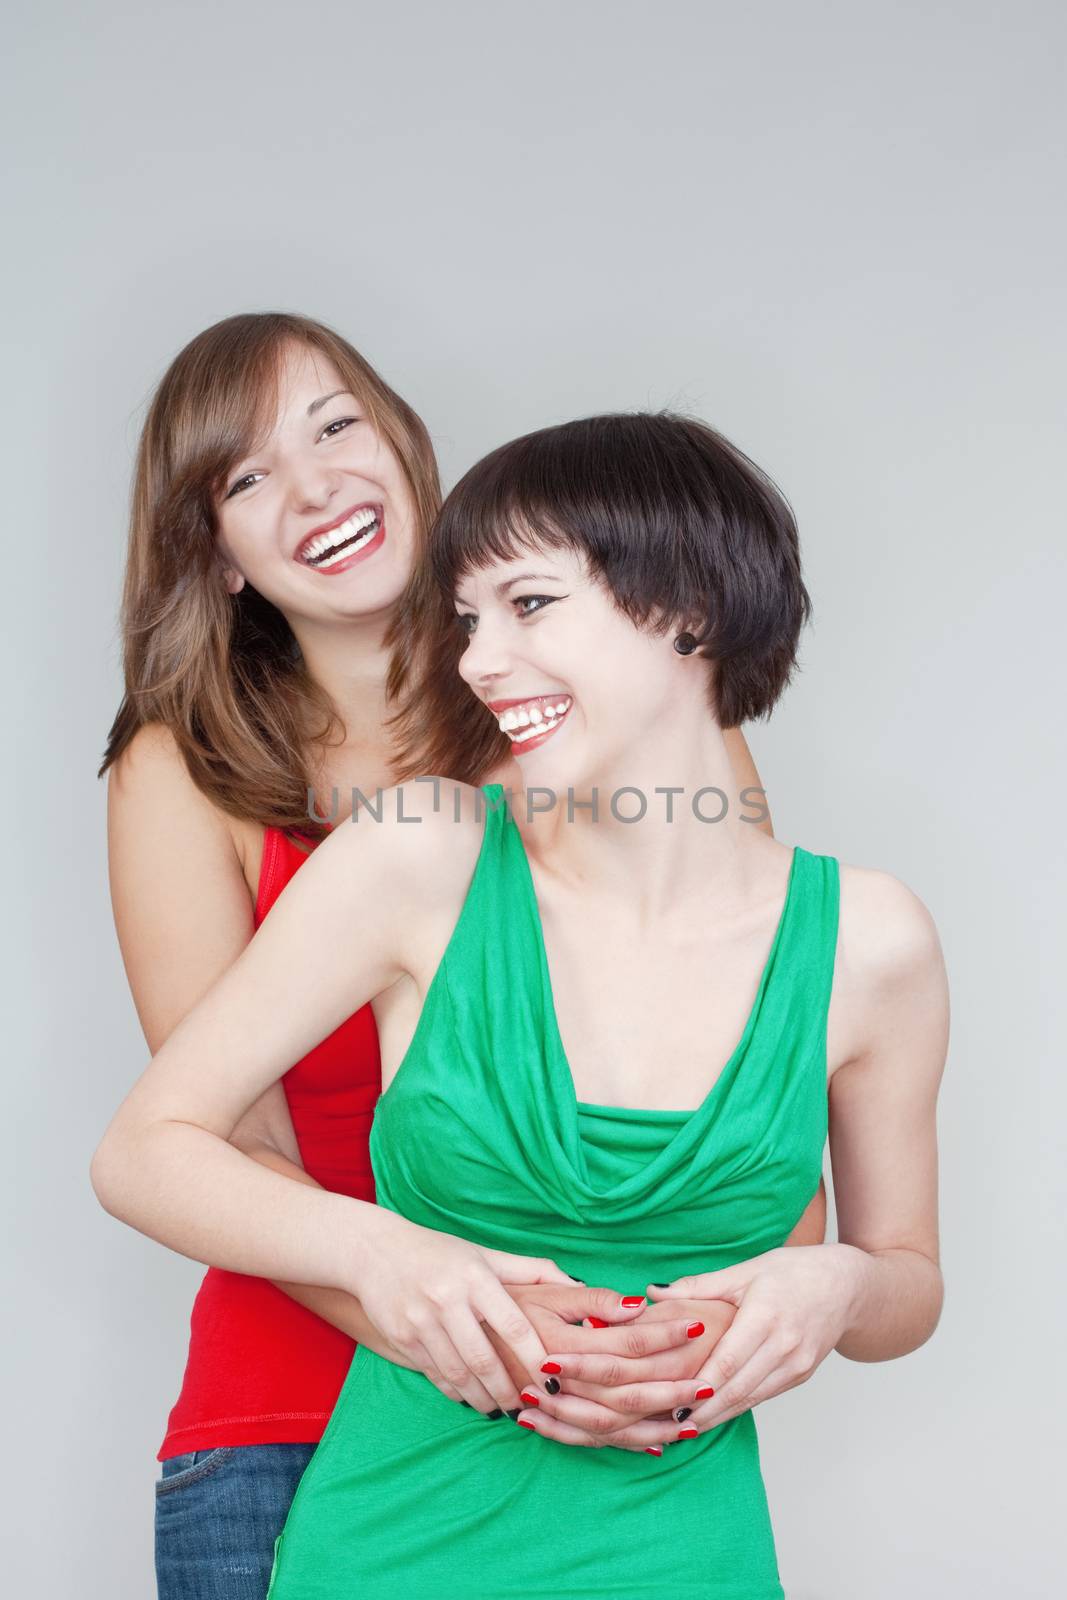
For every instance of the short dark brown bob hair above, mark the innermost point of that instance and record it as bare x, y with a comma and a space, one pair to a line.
677, 523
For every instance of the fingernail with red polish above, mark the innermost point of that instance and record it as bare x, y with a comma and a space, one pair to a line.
529, 1399
551, 1366
631, 1300
694, 1330
654, 1450
598, 1322
705, 1393
689, 1433
524, 1424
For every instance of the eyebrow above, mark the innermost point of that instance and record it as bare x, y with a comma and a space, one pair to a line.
525, 577
317, 405
520, 577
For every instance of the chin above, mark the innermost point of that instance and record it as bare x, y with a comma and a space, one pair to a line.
540, 771
368, 599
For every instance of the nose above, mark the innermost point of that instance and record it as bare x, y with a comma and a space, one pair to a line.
312, 485
485, 661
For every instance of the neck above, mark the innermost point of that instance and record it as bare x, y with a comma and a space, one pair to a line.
349, 660
682, 847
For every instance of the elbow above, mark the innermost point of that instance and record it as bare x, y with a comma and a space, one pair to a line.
937, 1304
110, 1172
103, 1175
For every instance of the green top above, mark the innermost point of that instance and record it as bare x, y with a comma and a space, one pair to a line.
480, 1135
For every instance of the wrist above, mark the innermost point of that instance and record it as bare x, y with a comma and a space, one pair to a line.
857, 1267
359, 1234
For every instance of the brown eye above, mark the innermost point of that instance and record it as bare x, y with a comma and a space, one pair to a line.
249, 477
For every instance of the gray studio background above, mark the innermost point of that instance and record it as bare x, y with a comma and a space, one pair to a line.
835, 231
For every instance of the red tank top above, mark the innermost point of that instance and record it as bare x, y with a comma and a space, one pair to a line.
262, 1369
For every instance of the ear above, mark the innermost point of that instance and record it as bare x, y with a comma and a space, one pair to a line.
233, 580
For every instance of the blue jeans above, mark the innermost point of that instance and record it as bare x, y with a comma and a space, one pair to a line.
218, 1513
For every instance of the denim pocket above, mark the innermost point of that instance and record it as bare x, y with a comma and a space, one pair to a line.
192, 1467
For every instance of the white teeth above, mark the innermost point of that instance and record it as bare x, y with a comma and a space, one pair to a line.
530, 733
359, 521
341, 555
524, 722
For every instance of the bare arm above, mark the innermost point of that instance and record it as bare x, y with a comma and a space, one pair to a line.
221, 1050
183, 915
166, 1165
335, 1306
883, 1129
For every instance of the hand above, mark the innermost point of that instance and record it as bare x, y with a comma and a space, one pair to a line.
793, 1306
625, 1399
557, 1314
429, 1295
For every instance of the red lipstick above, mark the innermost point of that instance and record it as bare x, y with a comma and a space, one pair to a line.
328, 527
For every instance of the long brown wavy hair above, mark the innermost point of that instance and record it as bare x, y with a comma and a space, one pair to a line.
224, 672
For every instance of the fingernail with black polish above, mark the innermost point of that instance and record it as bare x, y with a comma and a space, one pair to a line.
494, 1414
576, 1280
661, 1286
552, 1385
683, 1412
513, 1414
467, 1404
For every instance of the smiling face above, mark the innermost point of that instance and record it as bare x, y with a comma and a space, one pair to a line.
581, 692
319, 517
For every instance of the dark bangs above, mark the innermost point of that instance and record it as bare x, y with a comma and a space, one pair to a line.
679, 525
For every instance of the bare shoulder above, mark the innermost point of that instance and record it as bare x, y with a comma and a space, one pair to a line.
885, 929
151, 757
422, 837
151, 773
889, 967
151, 753
180, 893
152, 798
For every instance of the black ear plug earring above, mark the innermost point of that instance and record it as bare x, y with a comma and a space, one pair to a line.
685, 644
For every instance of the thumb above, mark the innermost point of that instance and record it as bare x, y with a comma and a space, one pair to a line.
524, 1269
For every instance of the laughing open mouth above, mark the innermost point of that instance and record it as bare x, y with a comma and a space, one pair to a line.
524, 720
358, 529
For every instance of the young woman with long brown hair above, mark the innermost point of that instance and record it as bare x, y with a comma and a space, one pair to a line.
270, 623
